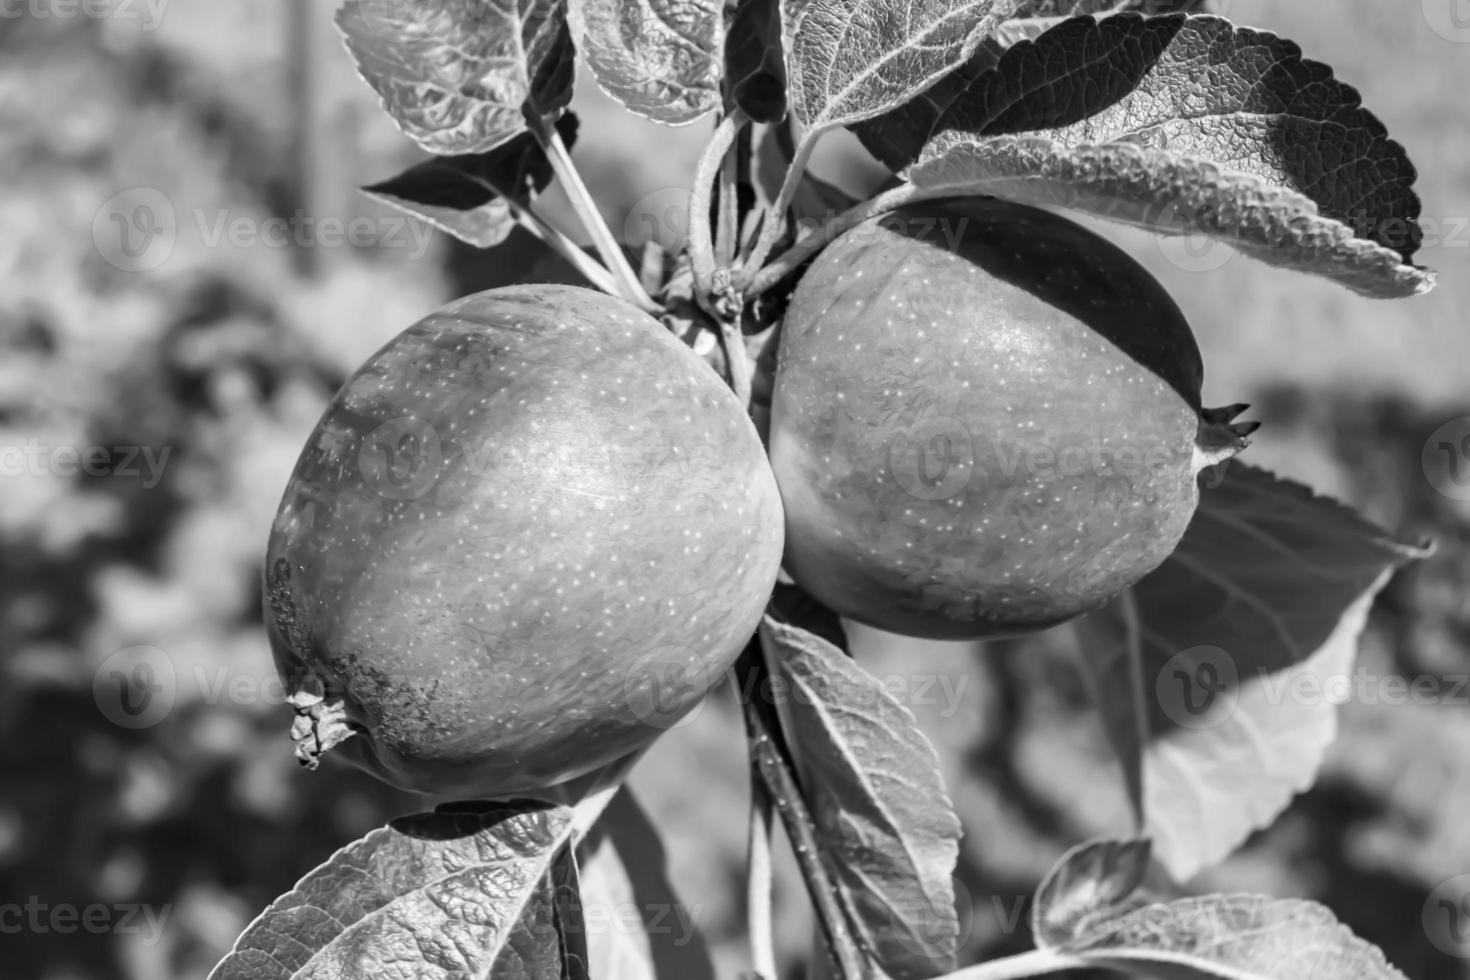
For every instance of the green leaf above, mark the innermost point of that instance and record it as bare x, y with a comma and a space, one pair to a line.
639, 928
1275, 156
754, 62
1198, 670
897, 137
1090, 880
1234, 937
851, 60
469, 196
469, 890
662, 59
1035, 17
889, 835
458, 76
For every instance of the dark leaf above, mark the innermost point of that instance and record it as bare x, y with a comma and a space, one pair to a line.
468, 195
754, 63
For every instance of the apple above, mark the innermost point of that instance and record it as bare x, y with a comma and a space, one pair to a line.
527, 536
985, 421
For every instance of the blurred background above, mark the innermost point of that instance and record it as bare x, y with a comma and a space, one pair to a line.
165, 348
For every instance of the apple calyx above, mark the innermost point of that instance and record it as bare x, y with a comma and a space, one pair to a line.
1220, 437
318, 725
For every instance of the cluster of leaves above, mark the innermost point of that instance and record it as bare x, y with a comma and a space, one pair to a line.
1156, 115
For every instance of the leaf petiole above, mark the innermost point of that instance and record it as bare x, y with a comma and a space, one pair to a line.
776, 219
557, 241
789, 260
628, 285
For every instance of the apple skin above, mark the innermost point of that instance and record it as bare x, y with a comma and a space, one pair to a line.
985, 421
527, 536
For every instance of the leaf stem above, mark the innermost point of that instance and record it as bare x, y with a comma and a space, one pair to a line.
788, 261
776, 220
769, 758
701, 243
727, 231
586, 207
758, 881
557, 240
1032, 963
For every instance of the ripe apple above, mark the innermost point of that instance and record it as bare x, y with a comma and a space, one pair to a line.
986, 420
527, 536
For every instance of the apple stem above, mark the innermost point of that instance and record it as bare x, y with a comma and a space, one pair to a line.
788, 261
758, 882
586, 207
775, 223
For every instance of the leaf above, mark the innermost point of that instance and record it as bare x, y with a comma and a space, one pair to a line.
458, 76
1213, 674
469, 890
1274, 156
1236, 937
662, 59
754, 62
469, 195
870, 778
897, 137
1091, 879
851, 60
638, 926
1174, 195
1035, 17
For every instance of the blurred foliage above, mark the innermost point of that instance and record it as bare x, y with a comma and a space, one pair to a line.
223, 357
